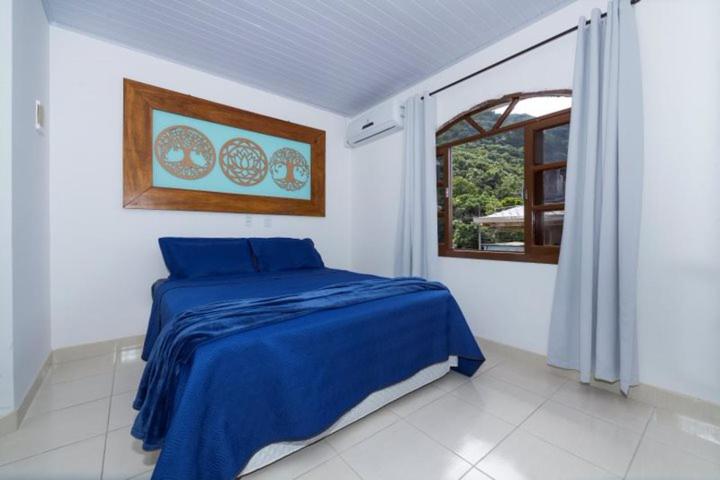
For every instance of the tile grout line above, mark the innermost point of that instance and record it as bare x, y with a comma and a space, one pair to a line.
3, 465
369, 436
342, 459
489, 373
85, 402
603, 419
81, 359
547, 399
107, 422
140, 474
482, 409
589, 462
551, 399
610, 392
444, 393
502, 440
443, 447
565, 382
683, 450
637, 447
312, 468
84, 377
241, 475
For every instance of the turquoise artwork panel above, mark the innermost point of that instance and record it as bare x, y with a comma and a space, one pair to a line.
192, 154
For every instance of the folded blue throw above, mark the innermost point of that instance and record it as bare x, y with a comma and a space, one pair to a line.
172, 356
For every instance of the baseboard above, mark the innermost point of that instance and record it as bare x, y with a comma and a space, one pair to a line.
650, 394
11, 422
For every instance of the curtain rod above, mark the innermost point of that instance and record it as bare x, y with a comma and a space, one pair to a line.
516, 54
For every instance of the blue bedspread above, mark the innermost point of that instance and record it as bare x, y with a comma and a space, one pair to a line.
231, 378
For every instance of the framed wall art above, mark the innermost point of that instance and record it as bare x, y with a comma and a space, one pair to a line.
185, 153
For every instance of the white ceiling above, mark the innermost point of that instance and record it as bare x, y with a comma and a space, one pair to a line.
341, 55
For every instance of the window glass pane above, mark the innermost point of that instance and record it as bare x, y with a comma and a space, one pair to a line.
440, 169
553, 144
441, 200
441, 230
458, 131
548, 227
487, 118
550, 186
534, 107
488, 183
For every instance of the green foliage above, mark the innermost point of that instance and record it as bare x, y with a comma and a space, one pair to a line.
465, 235
488, 176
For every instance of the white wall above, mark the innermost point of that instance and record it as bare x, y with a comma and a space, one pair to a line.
679, 295
104, 258
679, 284
24, 214
7, 400
31, 224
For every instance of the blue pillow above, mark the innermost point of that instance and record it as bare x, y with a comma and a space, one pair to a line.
205, 257
278, 254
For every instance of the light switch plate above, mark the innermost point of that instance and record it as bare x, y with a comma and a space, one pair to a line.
39, 117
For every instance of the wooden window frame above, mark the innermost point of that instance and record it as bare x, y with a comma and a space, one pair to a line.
534, 252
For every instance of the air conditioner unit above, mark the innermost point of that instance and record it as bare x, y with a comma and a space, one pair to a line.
376, 123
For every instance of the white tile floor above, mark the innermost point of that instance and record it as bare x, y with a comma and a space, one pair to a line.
516, 419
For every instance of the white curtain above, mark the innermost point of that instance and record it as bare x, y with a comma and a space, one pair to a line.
593, 324
416, 245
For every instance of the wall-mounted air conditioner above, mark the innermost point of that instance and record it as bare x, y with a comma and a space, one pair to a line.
376, 123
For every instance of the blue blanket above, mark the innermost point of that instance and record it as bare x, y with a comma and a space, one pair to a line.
172, 297
230, 376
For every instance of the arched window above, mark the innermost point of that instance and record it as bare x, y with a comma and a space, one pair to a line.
501, 178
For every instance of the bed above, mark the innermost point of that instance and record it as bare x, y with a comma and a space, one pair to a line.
238, 401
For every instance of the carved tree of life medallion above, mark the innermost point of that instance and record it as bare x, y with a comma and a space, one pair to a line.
184, 152
289, 169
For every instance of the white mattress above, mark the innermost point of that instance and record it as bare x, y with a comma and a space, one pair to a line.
379, 399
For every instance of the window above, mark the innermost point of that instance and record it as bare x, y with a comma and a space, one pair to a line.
501, 178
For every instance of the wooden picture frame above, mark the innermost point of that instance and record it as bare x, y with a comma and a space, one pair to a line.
139, 191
